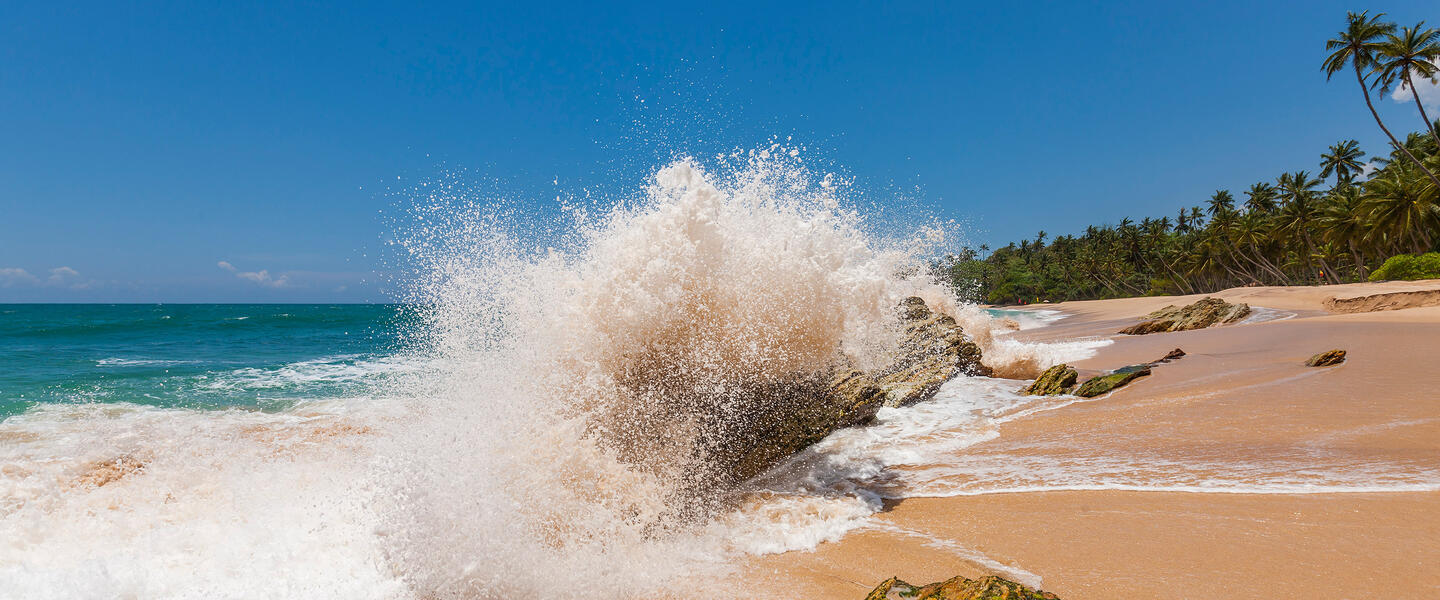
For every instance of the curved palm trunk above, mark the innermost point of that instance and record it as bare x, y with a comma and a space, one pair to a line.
1268, 265
1416, 94
1240, 269
1359, 259
1366, 90
1326, 273
1181, 282
1421, 236
1261, 266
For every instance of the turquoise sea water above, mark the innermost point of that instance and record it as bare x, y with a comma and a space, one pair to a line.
265, 356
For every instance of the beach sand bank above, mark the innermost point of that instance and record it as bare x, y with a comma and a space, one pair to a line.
1235, 472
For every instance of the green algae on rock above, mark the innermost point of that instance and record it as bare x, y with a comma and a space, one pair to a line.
1203, 313
1056, 380
989, 587
1326, 358
1101, 384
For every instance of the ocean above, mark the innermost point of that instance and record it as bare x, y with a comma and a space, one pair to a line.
200, 356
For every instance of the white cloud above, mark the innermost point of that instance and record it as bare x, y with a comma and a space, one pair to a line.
1368, 168
59, 277
68, 277
261, 277
11, 276
1428, 89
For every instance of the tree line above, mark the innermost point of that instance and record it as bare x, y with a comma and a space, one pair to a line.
1335, 224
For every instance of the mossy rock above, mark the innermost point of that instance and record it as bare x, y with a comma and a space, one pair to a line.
1056, 380
1101, 384
989, 587
1326, 358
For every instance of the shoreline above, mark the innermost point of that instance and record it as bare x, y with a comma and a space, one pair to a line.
1239, 405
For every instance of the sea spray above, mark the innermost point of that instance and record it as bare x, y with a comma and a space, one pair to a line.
580, 428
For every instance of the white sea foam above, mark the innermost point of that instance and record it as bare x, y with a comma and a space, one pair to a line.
226, 504
1260, 314
1029, 318
141, 362
326, 370
955, 548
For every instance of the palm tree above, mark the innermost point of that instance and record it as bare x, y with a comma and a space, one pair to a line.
1405, 56
1343, 159
1220, 202
1260, 198
1398, 205
1343, 221
1357, 45
1299, 211
1251, 231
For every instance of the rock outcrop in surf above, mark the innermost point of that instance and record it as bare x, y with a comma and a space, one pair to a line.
1205, 312
1056, 380
1326, 359
989, 587
934, 350
1060, 379
1101, 384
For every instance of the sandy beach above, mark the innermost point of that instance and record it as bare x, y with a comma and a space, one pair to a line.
1241, 404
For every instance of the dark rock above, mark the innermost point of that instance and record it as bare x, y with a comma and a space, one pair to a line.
1056, 380
1326, 358
1134, 368
787, 418
1203, 313
989, 587
1104, 383
1173, 355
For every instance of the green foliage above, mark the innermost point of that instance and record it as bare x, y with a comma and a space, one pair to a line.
1409, 267
1290, 232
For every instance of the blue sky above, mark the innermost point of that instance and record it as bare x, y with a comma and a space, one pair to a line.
143, 144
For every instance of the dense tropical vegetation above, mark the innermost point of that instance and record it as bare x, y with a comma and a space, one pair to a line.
1335, 224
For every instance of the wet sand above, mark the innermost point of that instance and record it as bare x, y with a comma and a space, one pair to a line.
1240, 400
